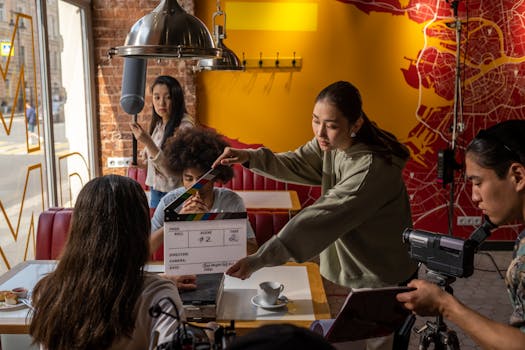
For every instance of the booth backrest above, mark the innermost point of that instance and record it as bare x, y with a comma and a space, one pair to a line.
138, 174
53, 230
265, 224
246, 180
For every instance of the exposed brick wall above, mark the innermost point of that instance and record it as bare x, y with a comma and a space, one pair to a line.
112, 20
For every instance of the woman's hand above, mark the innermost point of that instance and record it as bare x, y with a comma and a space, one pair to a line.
426, 300
142, 136
183, 282
241, 269
194, 204
231, 156
139, 133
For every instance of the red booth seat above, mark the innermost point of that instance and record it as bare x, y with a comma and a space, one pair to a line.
53, 230
246, 180
138, 174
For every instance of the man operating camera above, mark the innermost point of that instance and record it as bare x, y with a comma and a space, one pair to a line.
495, 164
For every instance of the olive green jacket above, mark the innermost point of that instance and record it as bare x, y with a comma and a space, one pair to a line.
356, 225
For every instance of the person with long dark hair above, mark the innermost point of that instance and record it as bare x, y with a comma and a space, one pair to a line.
99, 295
495, 164
356, 225
168, 114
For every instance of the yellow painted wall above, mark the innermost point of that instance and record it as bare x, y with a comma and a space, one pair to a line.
274, 108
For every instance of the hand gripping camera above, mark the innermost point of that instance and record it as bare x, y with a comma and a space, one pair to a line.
446, 258
447, 255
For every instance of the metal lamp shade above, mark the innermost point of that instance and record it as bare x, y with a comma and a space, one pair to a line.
169, 32
229, 61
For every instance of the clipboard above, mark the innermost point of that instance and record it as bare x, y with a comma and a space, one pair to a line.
202, 243
366, 313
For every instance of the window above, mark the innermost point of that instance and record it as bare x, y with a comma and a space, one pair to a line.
39, 178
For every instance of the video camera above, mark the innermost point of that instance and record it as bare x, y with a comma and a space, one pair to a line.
450, 256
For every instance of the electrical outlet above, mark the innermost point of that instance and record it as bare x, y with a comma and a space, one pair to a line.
119, 162
469, 220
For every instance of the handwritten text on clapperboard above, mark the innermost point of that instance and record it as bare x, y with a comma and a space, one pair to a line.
195, 244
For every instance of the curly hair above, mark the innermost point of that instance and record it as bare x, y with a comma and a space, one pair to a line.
196, 148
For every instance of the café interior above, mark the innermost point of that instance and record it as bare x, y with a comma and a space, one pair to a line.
431, 72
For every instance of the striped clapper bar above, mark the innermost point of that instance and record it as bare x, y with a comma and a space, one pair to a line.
202, 242
209, 176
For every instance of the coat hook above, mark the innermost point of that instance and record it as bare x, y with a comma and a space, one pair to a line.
260, 60
277, 59
293, 61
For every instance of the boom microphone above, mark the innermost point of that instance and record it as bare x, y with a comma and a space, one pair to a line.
133, 85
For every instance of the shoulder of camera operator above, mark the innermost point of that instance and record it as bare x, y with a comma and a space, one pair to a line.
156, 288
356, 225
515, 282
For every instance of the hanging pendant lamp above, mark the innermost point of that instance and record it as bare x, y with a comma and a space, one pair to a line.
168, 32
229, 60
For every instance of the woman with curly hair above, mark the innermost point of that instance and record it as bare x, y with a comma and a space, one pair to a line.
169, 114
190, 153
99, 295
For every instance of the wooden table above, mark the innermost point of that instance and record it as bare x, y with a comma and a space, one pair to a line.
270, 200
318, 301
28, 273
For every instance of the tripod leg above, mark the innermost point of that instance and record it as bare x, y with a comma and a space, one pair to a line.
452, 341
424, 342
402, 335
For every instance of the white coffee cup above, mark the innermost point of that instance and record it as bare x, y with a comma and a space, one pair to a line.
269, 292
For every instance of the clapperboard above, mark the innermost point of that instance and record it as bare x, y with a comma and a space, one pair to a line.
205, 242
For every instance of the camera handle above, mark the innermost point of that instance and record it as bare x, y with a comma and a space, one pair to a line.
437, 332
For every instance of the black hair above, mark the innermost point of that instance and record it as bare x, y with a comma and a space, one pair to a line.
347, 99
281, 337
178, 107
196, 147
499, 146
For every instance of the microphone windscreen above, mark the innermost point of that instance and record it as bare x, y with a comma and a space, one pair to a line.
133, 85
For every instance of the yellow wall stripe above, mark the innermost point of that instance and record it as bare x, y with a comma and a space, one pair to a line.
290, 16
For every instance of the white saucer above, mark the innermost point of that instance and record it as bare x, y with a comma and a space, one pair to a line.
282, 301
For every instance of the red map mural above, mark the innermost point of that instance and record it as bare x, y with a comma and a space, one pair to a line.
492, 62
